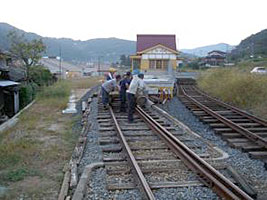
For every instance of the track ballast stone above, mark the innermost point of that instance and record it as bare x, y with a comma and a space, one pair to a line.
253, 170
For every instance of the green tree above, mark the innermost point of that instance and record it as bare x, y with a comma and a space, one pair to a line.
128, 61
123, 59
41, 76
30, 52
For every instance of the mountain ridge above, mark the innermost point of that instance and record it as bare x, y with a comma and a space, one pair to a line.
106, 49
203, 51
252, 46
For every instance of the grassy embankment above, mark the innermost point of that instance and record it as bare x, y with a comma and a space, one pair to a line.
33, 153
238, 86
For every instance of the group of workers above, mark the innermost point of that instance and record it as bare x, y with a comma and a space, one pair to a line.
129, 87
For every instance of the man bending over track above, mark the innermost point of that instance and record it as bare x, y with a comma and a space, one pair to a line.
108, 87
136, 85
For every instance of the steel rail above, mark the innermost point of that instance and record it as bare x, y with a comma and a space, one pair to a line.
252, 117
207, 174
248, 134
140, 176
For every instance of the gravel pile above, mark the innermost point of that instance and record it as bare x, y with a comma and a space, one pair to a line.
253, 170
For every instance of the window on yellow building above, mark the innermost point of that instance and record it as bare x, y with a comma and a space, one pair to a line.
152, 64
165, 64
158, 64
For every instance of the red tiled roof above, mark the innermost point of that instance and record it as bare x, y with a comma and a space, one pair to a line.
147, 41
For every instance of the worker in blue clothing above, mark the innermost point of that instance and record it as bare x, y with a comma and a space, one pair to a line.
108, 87
124, 85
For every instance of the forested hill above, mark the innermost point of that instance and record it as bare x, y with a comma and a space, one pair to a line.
253, 46
106, 49
110, 49
203, 51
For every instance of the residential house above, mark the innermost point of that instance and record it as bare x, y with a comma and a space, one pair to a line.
215, 58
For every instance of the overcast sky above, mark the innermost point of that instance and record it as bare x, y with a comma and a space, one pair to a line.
194, 22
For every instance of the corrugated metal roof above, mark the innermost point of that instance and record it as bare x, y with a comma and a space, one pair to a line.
8, 83
148, 41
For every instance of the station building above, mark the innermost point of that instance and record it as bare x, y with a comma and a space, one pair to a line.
155, 53
156, 57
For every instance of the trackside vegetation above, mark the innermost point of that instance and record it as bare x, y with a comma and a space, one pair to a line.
238, 87
34, 151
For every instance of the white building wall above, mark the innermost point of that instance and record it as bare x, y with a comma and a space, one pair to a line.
159, 53
159, 56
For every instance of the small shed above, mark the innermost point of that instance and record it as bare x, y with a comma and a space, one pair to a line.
9, 99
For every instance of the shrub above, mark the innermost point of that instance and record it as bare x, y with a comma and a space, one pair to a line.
40, 75
193, 65
35, 89
237, 87
25, 95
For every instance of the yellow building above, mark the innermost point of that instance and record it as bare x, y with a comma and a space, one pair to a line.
155, 54
156, 57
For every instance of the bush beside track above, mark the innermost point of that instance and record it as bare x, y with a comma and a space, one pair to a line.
238, 87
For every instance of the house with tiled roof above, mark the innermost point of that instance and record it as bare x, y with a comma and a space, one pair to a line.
215, 58
155, 53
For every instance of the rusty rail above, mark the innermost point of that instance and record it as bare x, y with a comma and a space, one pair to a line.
207, 174
139, 175
248, 134
236, 110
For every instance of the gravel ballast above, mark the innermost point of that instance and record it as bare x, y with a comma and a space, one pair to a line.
252, 170
97, 185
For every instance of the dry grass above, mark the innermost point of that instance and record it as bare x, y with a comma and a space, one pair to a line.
84, 82
238, 87
34, 152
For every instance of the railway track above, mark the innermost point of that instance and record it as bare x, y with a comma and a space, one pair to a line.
152, 154
240, 129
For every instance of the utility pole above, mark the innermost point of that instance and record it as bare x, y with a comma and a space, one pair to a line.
98, 65
252, 49
60, 67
